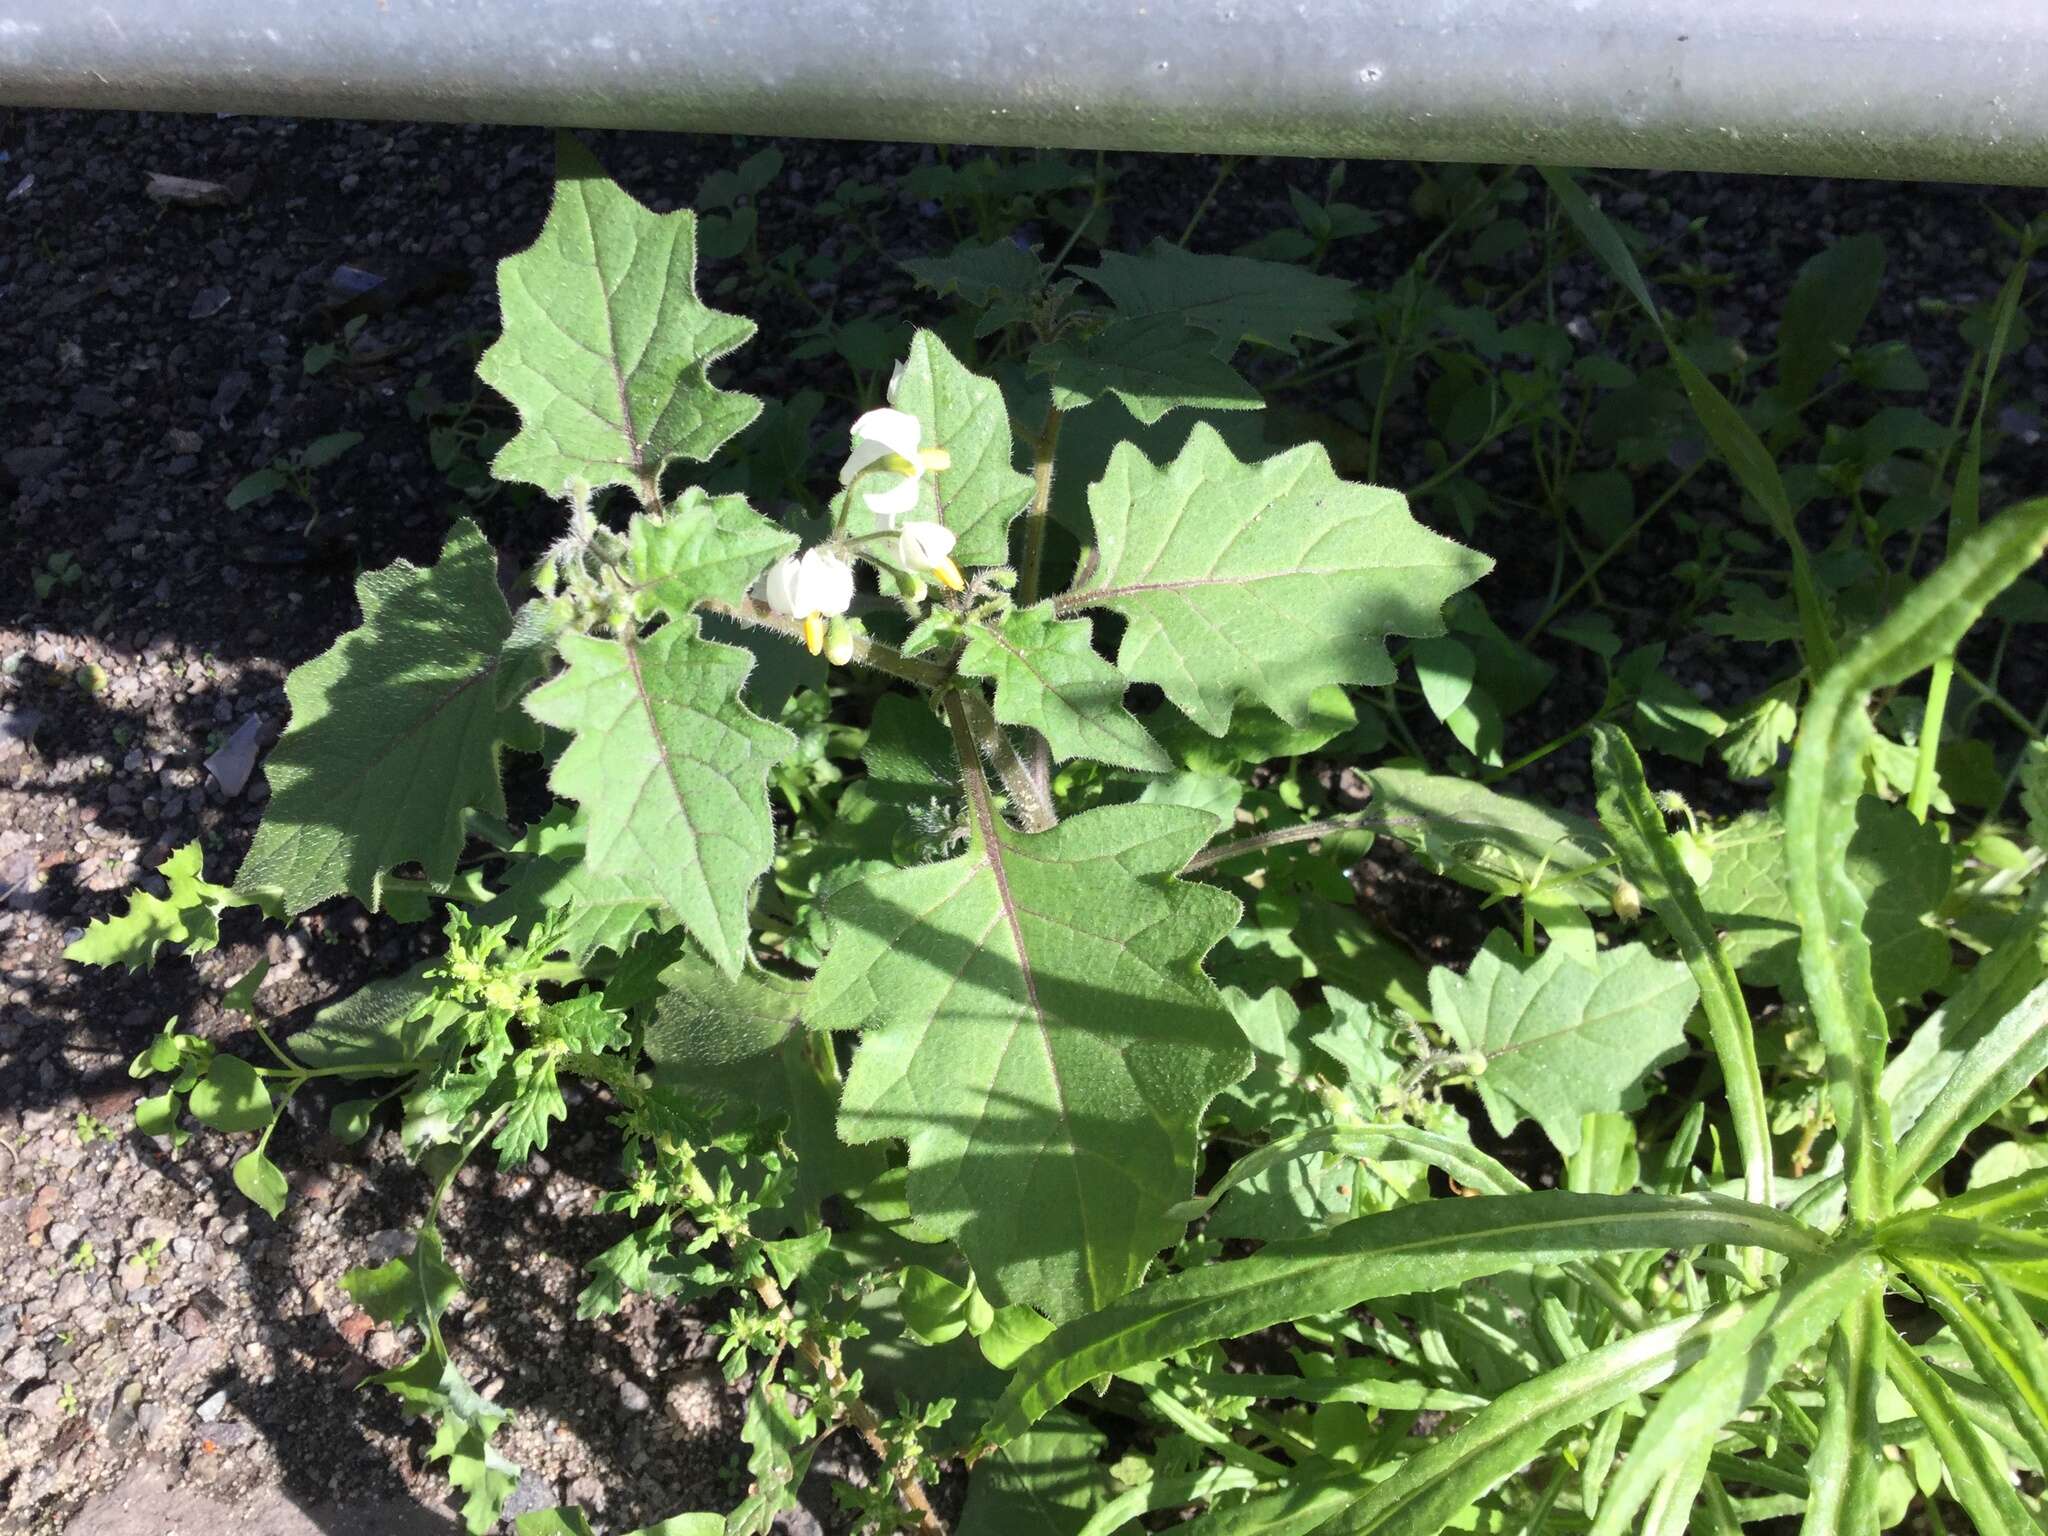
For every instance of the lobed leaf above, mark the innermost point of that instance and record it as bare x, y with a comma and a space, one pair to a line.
186, 916
605, 348
1152, 364
1260, 582
1037, 1023
981, 492
1047, 676
1233, 298
1561, 1039
394, 733
672, 772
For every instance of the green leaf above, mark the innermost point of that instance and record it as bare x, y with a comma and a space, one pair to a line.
1048, 677
1262, 581
1046, 1482
417, 1288
1843, 1470
605, 347
394, 734
259, 1179
1234, 298
1152, 365
251, 489
186, 916
979, 273
1995, 1071
1746, 1360
1038, 1023
1412, 1248
2034, 791
1820, 815
1562, 1039
1976, 1471
1830, 300
476, 1468
1651, 858
1430, 1489
1901, 867
1492, 842
231, 1097
536, 1103
672, 771
979, 494
701, 547
1747, 458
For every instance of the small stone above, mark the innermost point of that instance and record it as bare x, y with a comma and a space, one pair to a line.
634, 1397
212, 1408
26, 1365
192, 1324
46, 1403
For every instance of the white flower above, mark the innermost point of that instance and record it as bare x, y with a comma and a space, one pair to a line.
922, 547
885, 443
810, 586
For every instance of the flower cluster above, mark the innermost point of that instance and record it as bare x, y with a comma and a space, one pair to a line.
816, 587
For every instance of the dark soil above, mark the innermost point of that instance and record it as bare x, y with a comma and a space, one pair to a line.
153, 356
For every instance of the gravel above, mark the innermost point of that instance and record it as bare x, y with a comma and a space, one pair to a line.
152, 1324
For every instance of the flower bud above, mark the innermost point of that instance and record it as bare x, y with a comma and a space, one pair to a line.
839, 642
1626, 901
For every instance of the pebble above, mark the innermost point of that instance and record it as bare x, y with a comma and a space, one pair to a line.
26, 1365
633, 1397
210, 1409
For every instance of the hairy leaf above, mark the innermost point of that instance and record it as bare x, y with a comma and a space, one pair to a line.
1048, 677
605, 346
186, 916
1038, 1024
394, 734
1426, 1247
701, 547
1490, 841
1152, 365
672, 771
1234, 298
1562, 1039
1260, 581
980, 492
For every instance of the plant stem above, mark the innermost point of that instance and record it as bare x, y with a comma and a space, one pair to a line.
1238, 847
868, 652
1223, 174
976, 735
908, 1489
1041, 506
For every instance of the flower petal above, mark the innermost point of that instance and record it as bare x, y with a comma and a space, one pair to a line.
896, 500
898, 431
865, 451
923, 545
824, 584
778, 587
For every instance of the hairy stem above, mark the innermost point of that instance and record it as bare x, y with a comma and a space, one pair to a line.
1042, 453
868, 652
976, 735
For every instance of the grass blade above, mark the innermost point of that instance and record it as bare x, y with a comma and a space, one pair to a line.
1745, 1362
1820, 815
1414, 1248
1976, 1472
1650, 858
